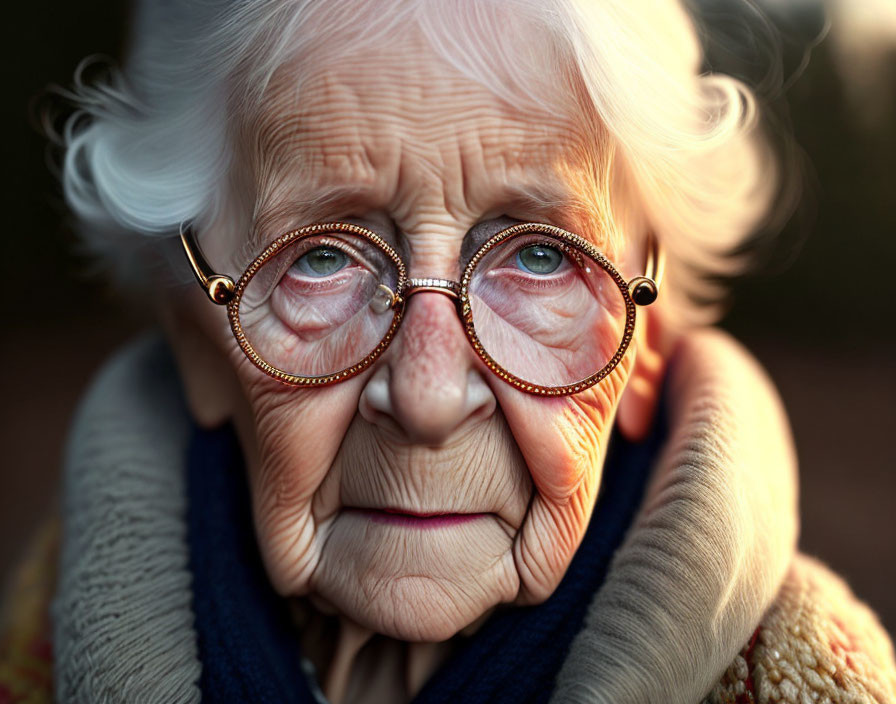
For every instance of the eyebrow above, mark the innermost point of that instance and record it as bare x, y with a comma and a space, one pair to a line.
545, 199
320, 205
549, 201
554, 203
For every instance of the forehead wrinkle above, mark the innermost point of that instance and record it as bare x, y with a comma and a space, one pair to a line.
314, 157
414, 92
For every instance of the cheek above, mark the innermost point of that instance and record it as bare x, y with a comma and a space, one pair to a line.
563, 441
561, 438
290, 437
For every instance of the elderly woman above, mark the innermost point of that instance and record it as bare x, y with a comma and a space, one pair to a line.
434, 425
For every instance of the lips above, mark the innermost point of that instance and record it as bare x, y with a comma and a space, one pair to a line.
416, 519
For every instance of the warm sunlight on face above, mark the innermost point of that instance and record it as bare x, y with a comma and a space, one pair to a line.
421, 493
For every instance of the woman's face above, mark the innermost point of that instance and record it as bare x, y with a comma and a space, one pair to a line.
345, 479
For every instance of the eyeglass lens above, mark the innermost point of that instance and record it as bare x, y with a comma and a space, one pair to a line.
542, 308
315, 308
545, 311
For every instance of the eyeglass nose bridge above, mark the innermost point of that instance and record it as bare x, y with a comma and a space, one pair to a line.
385, 298
446, 287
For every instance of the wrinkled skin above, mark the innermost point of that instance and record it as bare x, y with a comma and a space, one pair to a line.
428, 428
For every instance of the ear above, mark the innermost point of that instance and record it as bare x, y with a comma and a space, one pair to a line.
637, 406
207, 378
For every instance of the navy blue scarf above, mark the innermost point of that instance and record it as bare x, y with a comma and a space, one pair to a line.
249, 648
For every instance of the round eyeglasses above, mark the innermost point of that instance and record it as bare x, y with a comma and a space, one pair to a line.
542, 307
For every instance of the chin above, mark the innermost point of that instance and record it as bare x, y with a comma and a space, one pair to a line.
412, 583
420, 609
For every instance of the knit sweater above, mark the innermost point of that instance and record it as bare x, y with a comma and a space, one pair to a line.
695, 583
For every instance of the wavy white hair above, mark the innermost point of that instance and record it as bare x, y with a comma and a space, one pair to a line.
148, 148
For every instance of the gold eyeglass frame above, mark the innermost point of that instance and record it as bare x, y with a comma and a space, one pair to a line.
222, 290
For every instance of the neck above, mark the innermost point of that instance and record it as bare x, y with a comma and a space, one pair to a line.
356, 665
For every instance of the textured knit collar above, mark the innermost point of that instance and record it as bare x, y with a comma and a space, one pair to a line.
681, 596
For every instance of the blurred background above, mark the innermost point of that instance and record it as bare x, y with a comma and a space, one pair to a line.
819, 314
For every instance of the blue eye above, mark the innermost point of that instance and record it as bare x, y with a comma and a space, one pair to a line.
539, 259
322, 261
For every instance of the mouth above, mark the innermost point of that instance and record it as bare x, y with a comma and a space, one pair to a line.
415, 519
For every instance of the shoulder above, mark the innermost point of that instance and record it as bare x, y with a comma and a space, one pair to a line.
816, 643
26, 659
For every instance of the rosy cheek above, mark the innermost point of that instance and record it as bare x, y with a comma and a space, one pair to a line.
560, 438
563, 441
290, 437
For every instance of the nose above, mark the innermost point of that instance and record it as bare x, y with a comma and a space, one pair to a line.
430, 384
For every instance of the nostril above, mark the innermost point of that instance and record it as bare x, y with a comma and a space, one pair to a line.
375, 400
480, 400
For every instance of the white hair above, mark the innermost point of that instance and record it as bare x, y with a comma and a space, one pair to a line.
148, 147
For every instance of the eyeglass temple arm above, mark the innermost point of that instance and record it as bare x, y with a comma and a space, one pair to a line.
218, 287
644, 289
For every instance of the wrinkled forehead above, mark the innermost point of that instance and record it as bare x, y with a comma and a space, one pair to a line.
344, 119
459, 123
508, 48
